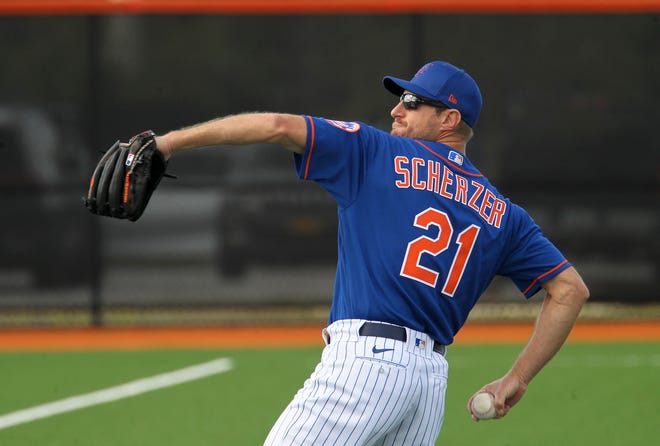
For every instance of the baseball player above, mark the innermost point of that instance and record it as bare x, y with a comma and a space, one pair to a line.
421, 235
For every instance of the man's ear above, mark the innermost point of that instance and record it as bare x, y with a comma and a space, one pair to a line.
452, 119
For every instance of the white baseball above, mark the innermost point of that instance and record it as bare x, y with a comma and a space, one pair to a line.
483, 407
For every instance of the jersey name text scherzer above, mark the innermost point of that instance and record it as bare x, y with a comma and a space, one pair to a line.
429, 175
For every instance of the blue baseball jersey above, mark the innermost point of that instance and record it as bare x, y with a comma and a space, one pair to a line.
422, 233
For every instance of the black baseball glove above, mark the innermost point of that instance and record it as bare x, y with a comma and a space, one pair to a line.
125, 177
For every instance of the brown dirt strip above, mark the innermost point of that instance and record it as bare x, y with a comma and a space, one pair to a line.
286, 336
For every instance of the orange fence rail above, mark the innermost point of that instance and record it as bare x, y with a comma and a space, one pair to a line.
289, 336
75, 7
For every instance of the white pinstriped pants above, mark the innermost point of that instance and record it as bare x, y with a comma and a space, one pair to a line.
367, 391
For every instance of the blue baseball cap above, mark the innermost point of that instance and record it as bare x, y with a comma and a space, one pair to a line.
442, 82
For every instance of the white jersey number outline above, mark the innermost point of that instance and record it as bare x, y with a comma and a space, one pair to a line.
435, 246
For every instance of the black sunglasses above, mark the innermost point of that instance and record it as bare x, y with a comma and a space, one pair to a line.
411, 102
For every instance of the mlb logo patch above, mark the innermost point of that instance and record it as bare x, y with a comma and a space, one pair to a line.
456, 157
421, 343
129, 159
350, 127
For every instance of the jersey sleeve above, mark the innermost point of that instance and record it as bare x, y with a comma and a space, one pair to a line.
532, 258
334, 156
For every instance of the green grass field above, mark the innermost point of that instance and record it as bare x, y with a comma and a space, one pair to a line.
591, 394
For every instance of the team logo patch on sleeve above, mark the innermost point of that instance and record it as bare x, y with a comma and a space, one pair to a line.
350, 127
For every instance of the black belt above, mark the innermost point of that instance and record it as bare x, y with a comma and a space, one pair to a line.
392, 332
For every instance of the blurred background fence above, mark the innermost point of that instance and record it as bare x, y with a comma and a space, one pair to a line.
569, 130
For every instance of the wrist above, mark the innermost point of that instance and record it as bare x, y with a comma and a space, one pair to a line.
522, 376
165, 146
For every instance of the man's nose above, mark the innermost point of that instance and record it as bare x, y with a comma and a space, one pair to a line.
397, 110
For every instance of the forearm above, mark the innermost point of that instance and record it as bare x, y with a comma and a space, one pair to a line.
561, 307
250, 128
553, 325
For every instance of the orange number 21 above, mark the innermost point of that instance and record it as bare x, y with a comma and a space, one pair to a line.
435, 246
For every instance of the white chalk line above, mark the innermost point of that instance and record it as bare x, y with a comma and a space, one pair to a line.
115, 393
